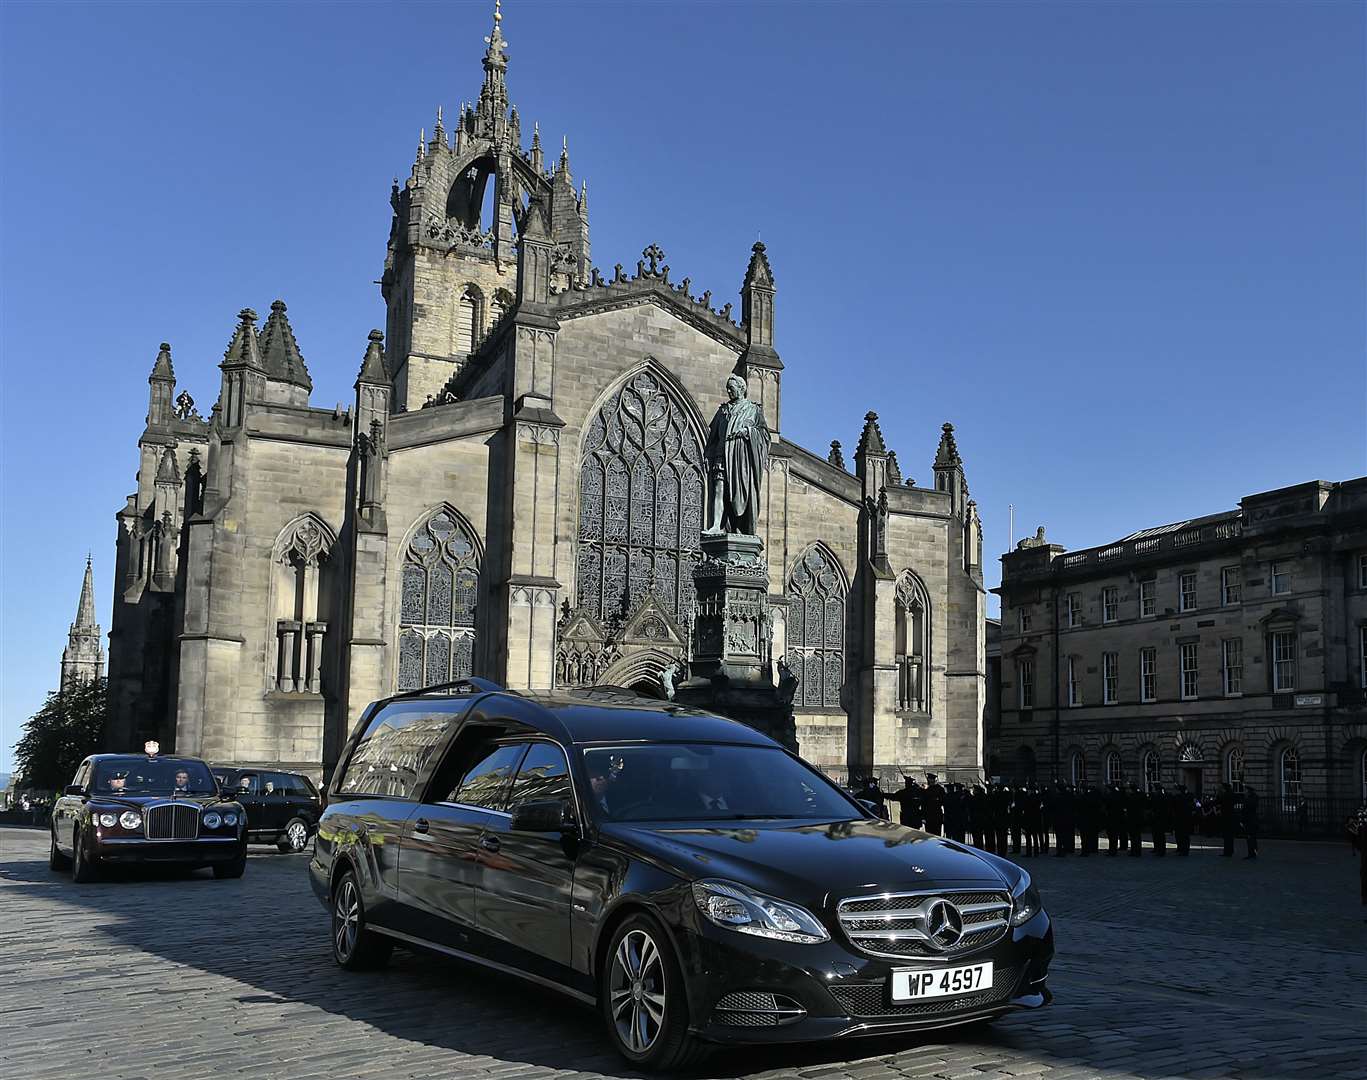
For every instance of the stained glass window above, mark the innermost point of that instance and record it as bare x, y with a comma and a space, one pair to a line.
440, 584
640, 503
816, 629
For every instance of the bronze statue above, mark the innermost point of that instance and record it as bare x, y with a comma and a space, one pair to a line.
737, 456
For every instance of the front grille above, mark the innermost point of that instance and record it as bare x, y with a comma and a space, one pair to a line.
757, 1008
171, 821
873, 1000
895, 924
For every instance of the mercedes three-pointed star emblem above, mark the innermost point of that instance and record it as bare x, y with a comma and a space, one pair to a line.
944, 924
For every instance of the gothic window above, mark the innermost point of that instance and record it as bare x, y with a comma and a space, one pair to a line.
469, 325
913, 644
300, 594
816, 629
440, 587
640, 503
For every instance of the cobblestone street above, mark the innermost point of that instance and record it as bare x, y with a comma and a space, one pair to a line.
1199, 967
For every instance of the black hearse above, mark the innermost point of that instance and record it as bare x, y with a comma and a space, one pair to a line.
688, 876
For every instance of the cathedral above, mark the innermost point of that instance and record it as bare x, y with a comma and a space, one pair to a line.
517, 491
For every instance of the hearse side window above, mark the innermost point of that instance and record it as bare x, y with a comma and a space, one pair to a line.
486, 782
395, 748
543, 775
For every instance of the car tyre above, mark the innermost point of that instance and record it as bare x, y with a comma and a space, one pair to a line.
85, 867
234, 869
295, 838
55, 859
354, 945
642, 997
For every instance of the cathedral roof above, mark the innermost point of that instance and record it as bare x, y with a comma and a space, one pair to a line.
279, 350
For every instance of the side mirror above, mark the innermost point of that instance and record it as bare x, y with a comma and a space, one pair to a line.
543, 816
73, 789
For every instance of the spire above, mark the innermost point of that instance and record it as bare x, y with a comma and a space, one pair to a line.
562, 167
493, 96
279, 350
439, 132
161, 369
871, 439
758, 274
757, 310
836, 457
373, 369
85, 610
244, 349
947, 456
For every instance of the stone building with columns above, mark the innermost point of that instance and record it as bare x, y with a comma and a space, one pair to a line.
517, 491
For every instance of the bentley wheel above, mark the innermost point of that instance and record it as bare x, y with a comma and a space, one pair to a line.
85, 867
295, 837
355, 946
642, 997
55, 859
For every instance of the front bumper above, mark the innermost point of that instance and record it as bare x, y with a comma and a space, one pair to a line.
136, 849
842, 992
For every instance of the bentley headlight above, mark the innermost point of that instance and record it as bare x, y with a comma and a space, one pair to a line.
108, 820
1025, 901
229, 819
212, 820
735, 907
130, 820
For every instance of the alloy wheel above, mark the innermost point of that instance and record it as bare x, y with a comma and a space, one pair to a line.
346, 919
297, 835
636, 988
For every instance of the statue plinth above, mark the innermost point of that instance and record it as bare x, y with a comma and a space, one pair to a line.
731, 672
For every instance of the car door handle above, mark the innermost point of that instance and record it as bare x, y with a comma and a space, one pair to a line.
420, 825
489, 843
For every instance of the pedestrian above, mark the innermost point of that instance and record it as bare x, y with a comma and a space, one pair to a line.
1158, 819
1251, 821
1134, 820
1182, 811
1225, 803
956, 813
1001, 816
908, 799
934, 802
977, 817
1017, 818
1357, 831
1094, 810
1114, 808
1063, 820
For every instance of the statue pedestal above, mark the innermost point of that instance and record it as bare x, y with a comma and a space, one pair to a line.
731, 672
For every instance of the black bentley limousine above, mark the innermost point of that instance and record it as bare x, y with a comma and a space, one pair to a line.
688, 876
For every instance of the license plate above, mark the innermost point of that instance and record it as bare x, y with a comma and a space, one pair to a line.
942, 982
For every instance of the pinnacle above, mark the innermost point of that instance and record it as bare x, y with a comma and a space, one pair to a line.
373, 369
871, 439
243, 349
948, 452
280, 351
758, 273
162, 368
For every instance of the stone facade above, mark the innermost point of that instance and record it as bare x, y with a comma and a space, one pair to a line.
1229, 647
517, 492
83, 657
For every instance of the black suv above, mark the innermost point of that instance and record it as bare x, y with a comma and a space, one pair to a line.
282, 808
688, 876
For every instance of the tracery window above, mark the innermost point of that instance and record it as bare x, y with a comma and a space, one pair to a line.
437, 604
640, 503
816, 629
913, 644
301, 589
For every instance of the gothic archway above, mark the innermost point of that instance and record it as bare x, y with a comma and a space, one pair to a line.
438, 599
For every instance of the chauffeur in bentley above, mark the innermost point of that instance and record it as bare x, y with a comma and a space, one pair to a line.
130, 808
684, 874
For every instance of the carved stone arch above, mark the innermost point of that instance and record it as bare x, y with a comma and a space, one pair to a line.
641, 498
913, 652
440, 589
817, 589
299, 603
641, 666
465, 196
668, 379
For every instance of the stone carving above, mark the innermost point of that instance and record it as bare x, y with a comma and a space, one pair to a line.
737, 455
457, 235
671, 676
1032, 541
787, 682
185, 407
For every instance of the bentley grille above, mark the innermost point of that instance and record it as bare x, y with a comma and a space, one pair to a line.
938, 923
171, 821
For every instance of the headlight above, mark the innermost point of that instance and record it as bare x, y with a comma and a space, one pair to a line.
735, 907
109, 820
1025, 900
211, 820
130, 819
229, 819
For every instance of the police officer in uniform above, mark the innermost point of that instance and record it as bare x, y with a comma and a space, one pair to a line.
1001, 816
1251, 821
909, 798
1225, 803
934, 800
1134, 820
956, 813
1017, 818
1158, 818
1182, 810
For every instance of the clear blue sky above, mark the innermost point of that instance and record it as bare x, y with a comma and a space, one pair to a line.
1120, 246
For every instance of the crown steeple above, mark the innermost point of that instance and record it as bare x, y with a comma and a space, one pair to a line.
492, 109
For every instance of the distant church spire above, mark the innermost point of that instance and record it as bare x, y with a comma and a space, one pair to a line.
83, 658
